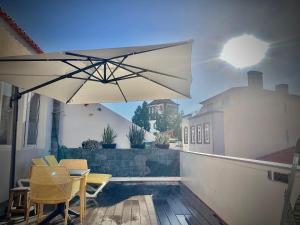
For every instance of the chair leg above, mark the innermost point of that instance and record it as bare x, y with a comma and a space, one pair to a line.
40, 212
27, 212
10, 203
66, 213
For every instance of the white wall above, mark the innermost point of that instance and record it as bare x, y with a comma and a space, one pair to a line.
216, 144
257, 123
12, 44
238, 190
26, 153
79, 123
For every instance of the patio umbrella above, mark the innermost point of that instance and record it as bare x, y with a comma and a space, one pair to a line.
102, 75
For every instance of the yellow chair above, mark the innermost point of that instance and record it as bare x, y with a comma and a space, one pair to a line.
98, 179
92, 178
51, 160
52, 185
39, 162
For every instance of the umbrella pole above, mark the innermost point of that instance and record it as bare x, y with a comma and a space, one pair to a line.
15, 104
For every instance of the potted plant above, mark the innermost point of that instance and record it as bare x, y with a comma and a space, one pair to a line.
91, 144
136, 137
162, 141
108, 138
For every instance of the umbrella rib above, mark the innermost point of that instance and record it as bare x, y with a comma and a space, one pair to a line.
148, 70
138, 73
90, 74
112, 72
58, 78
117, 82
150, 50
96, 69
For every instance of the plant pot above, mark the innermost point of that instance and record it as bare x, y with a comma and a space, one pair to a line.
163, 146
142, 146
109, 146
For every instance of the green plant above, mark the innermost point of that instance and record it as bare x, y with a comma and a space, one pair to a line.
91, 144
108, 135
162, 139
136, 135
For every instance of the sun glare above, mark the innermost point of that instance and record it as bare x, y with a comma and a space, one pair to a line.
244, 51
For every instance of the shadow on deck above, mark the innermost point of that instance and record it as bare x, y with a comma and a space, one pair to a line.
147, 204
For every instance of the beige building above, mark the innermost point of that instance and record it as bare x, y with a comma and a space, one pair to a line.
35, 111
247, 122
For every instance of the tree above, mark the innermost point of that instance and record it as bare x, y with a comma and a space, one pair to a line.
169, 120
141, 116
166, 120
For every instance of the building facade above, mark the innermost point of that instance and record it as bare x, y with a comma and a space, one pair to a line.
34, 115
247, 122
78, 123
158, 107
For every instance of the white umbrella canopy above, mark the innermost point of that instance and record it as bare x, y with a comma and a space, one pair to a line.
104, 75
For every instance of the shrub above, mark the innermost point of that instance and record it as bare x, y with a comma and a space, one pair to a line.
136, 135
91, 144
162, 139
108, 135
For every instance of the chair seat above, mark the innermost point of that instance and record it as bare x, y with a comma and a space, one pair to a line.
95, 178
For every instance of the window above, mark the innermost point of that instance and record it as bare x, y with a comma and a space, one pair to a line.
206, 133
33, 118
192, 134
199, 134
185, 135
5, 114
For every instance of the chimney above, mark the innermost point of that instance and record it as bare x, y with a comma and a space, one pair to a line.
255, 79
282, 89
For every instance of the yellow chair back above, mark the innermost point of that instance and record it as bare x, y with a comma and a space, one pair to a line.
51, 160
80, 164
50, 184
39, 162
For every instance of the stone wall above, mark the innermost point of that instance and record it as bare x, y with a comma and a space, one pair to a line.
129, 162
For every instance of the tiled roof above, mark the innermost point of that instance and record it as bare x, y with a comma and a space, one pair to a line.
282, 156
162, 101
19, 31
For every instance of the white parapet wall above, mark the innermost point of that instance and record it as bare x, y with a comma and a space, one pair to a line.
238, 190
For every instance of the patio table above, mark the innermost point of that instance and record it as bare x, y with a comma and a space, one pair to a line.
82, 194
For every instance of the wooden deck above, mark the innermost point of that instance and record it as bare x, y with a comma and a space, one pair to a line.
147, 204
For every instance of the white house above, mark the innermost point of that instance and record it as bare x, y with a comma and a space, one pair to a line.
34, 130
35, 111
247, 122
78, 123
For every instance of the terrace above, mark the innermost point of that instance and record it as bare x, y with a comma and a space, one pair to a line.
192, 188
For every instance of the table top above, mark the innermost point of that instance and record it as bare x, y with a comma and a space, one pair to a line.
76, 172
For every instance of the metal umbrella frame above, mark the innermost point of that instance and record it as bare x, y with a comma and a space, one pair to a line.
96, 69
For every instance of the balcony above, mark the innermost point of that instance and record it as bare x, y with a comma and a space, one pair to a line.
161, 187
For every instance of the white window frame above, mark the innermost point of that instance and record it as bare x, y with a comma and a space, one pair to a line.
26, 127
3, 146
206, 131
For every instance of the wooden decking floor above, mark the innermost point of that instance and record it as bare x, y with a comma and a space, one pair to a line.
146, 204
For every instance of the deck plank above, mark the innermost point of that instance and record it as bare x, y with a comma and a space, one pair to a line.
169, 213
107, 218
151, 209
135, 213
126, 218
161, 215
206, 212
144, 214
182, 219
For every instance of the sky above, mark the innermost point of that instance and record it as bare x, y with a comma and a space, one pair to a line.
67, 25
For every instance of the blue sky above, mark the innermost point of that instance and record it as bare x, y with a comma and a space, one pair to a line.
65, 25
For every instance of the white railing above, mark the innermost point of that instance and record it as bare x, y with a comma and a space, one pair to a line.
240, 191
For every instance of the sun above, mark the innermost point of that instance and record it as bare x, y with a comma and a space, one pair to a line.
244, 51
